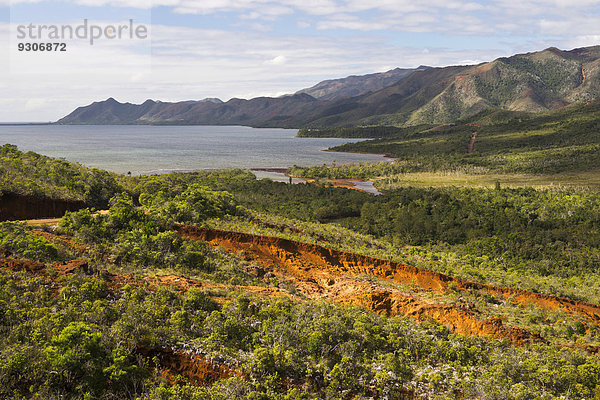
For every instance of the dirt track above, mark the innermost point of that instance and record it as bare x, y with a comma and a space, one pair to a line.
471, 145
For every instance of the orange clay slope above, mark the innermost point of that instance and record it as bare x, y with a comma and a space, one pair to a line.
114, 281
318, 272
193, 367
281, 250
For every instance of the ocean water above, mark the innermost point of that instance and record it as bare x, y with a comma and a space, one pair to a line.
155, 149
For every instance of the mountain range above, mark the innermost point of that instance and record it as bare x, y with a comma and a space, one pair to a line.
356, 85
531, 82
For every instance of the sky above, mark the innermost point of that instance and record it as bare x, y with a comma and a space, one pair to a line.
194, 49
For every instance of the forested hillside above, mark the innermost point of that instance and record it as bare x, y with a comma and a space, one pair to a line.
561, 148
36, 175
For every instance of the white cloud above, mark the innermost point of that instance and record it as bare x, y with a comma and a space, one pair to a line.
191, 63
254, 56
345, 21
583, 41
279, 60
509, 16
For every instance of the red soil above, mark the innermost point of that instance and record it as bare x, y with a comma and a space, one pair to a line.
456, 319
64, 241
319, 272
195, 368
325, 273
179, 283
37, 268
33, 267
183, 284
274, 251
73, 266
471, 145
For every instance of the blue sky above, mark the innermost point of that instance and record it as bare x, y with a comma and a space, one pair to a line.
247, 48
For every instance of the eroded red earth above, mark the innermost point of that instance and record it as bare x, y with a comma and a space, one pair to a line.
321, 272
318, 272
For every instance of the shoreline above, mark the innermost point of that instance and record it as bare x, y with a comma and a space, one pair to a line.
281, 175
282, 170
361, 185
389, 157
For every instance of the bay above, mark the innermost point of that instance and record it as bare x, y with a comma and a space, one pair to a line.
156, 149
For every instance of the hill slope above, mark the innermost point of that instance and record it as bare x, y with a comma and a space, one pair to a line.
261, 111
357, 85
532, 82
555, 149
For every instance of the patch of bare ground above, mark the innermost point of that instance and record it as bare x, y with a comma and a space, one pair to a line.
196, 368
298, 256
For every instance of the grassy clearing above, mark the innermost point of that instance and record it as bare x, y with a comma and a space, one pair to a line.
581, 181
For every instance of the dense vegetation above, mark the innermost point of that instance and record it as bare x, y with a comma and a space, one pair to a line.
33, 174
502, 224
509, 226
82, 344
540, 240
85, 335
525, 232
129, 237
304, 201
563, 141
361, 132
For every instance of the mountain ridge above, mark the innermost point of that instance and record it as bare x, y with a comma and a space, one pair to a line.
356, 85
530, 82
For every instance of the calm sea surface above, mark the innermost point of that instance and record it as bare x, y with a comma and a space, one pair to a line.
145, 149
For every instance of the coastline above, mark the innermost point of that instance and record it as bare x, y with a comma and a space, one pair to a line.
281, 175
152, 149
388, 157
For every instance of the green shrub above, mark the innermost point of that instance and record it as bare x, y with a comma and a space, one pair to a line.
18, 239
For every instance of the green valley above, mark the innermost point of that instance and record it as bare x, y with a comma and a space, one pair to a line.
214, 285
